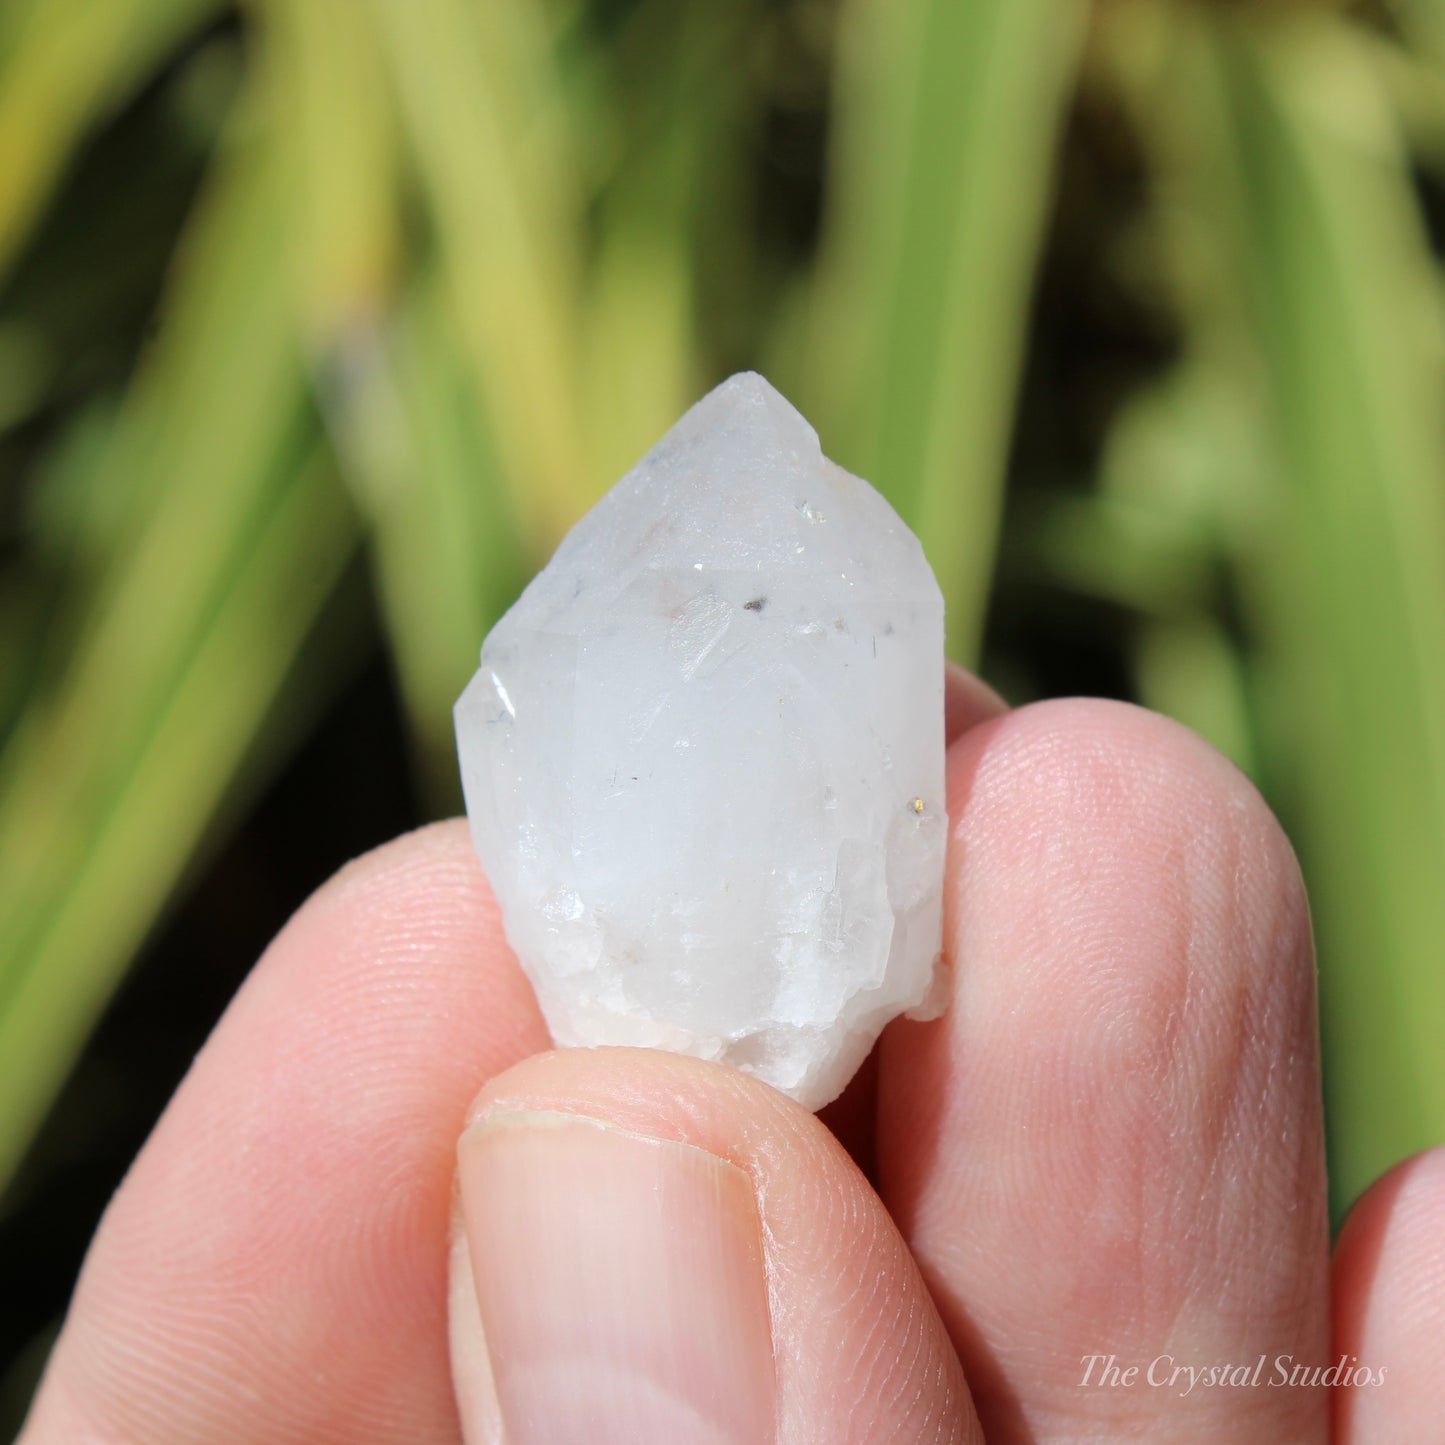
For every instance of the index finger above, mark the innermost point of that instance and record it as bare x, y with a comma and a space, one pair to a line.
274, 1267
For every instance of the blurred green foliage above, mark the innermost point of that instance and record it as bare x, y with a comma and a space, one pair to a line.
439, 270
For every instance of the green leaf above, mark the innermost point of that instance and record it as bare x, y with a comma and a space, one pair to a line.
65, 64
677, 145
443, 538
1324, 286
478, 94
947, 115
331, 84
223, 553
157, 806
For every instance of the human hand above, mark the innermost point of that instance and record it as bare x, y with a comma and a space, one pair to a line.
1110, 1146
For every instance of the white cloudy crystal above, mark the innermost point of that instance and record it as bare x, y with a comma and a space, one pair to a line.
703, 757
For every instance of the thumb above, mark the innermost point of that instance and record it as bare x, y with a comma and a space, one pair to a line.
656, 1249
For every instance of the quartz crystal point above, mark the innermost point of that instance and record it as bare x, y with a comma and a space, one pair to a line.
703, 757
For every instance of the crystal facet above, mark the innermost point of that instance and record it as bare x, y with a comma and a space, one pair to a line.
703, 757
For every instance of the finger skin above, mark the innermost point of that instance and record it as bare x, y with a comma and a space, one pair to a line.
1389, 1290
274, 1267
859, 1350
967, 701
1112, 1142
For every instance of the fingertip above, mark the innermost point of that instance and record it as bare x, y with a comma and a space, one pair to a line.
1122, 1102
1388, 1282
967, 701
1113, 800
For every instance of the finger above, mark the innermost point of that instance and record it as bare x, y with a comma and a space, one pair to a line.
665, 1250
1389, 1291
274, 1266
1111, 1144
967, 701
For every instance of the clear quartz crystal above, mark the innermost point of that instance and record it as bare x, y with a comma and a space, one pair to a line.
703, 757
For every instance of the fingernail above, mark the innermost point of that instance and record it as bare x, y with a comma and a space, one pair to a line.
621, 1287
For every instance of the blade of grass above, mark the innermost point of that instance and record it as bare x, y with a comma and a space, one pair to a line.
32, 589
1180, 461
204, 448
1287, 145
67, 63
1147, 560
680, 140
1189, 668
443, 539
478, 97
1154, 539
947, 114
331, 80
399, 401
175, 777
226, 365
221, 393
1423, 22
